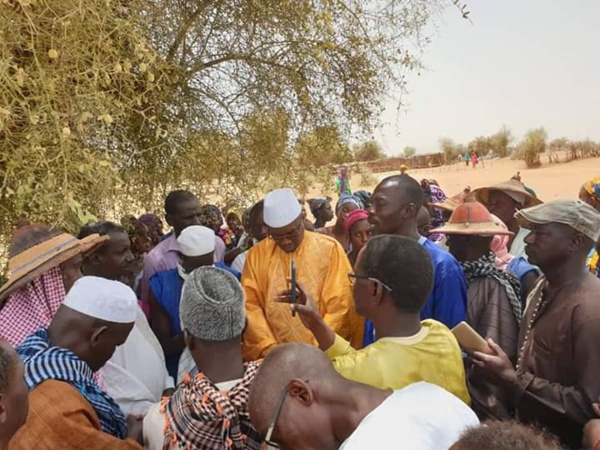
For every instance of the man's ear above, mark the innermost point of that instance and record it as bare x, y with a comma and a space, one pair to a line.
94, 258
169, 219
578, 241
377, 295
95, 339
301, 391
189, 340
3, 415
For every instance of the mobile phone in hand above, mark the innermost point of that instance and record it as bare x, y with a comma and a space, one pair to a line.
470, 340
294, 299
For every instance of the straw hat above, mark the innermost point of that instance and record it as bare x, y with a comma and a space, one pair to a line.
35, 249
513, 188
471, 218
450, 204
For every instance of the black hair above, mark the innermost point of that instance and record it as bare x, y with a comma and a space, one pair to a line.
102, 228
257, 208
410, 187
174, 198
232, 215
404, 266
506, 435
7, 365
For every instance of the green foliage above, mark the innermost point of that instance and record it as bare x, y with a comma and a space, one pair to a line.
481, 145
368, 151
500, 142
106, 105
322, 147
531, 146
409, 152
497, 144
73, 75
451, 150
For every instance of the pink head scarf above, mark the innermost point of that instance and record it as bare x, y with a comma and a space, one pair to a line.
32, 306
499, 246
353, 217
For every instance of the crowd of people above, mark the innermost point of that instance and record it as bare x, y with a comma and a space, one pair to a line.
401, 318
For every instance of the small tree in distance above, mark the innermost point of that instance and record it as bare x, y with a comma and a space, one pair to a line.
368, 151
531, 146
500, 142
409, 152
450, 150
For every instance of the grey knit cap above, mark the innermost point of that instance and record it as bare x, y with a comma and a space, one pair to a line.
212, 305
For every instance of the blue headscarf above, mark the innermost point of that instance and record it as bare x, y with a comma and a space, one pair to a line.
347, 199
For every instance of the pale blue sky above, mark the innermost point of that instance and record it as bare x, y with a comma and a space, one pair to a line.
520, 63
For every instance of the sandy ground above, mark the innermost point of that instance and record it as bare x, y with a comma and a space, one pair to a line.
550, 182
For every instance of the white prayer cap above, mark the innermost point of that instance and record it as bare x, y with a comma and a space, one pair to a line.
281, 208
103, 299
196, 240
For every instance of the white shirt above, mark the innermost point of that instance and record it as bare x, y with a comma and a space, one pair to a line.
187, 366
517, 248
421, 416
136, 375
240, 261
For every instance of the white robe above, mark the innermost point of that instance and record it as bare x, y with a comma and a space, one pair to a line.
422, 416
136, 375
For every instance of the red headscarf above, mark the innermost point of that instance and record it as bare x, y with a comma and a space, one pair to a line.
355, 216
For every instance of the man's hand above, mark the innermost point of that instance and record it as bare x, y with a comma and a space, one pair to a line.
307, 310
497, 366
305, 306
135, 428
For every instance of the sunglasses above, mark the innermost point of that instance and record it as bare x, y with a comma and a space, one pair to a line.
273, 422
354, 276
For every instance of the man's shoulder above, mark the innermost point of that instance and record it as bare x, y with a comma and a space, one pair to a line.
439, 256
164, 275
58, 393
438, 331
587, 296
322, 240
158, 252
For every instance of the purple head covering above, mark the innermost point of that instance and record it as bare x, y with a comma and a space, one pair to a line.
149, 219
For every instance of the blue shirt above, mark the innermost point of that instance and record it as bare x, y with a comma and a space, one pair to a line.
447, 303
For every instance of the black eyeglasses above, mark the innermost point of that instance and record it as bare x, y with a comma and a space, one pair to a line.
273, 422
352, 275
289, 236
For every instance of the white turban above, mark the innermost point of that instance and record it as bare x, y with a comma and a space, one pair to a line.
196, 240
103, 299
281, 208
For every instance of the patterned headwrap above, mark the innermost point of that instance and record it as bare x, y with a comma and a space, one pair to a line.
200, 416
150, 220
32, 306
364, 197
499, 246
43, 361
592, 187
347, 199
